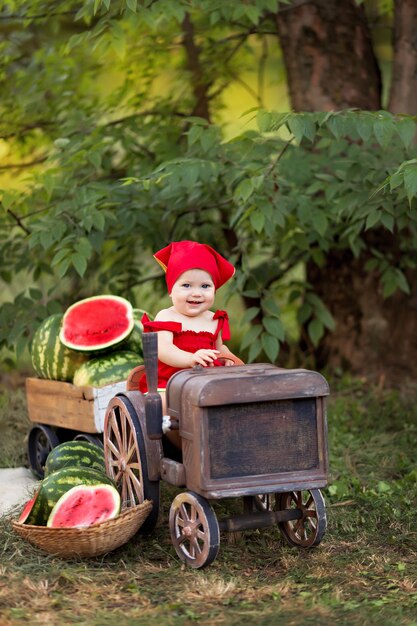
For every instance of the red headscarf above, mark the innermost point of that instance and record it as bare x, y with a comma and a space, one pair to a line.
181, 256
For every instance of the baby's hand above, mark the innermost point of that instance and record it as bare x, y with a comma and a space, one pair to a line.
204, 357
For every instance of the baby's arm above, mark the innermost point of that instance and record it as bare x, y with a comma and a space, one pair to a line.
222, 348
175, 357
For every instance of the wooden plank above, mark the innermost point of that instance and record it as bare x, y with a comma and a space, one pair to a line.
62, 412
54, 387
64, 405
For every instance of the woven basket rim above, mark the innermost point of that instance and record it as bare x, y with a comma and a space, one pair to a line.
90, 541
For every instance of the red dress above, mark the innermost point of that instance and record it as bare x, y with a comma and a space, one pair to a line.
188, 340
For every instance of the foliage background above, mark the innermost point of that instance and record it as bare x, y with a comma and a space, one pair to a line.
112, 151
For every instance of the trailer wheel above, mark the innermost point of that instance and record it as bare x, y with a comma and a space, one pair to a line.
307, 531
125, 456
90, 438
194, 529
40, 442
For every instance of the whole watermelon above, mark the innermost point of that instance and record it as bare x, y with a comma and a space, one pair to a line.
50, 358
75, 454
111, 368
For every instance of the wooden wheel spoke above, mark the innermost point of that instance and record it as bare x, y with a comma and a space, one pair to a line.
130, 451
115, 451
125, 432
298, 526
184, 513
201, 534
196, 545
123, 495
311, 513
135, 479
136, 466
309, 502
114, 427
131, 490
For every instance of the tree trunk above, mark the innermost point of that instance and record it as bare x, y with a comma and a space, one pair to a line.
199, 83
331, 65
403, 93
328, 56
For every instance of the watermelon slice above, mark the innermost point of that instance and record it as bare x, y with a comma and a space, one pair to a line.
97, 323
85, 505
27, 509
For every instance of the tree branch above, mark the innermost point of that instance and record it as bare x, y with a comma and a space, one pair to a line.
18, 221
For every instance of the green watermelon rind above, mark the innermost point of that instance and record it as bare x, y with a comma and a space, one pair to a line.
78, 489
58, 483
100, 346
50, 358
105, 370
75, 454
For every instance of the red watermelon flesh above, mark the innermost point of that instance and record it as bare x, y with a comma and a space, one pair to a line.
85, 505
97, 323
27, 509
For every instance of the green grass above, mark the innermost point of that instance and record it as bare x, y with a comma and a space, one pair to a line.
363, 572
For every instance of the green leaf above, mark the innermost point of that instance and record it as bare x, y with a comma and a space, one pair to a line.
97, 4
320, 222
189, 174
95, 159
406, 128
315, 331
383, 130
297, 126
270, 345
132, 5
364, 128
263, 119
325, 317
410, 182
7, 200
79, 262
373, 218
244, 190
269, 304
254, 351
257, 219
194, 134
252, 334
388, 221
250, 313
274, 327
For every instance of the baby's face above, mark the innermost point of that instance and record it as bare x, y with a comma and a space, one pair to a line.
193, 292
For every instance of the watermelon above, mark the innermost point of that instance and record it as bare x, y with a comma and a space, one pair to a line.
27, 507
75, 454
85, 505
134, 342
110, 368
58, 483
50, 358
97, 323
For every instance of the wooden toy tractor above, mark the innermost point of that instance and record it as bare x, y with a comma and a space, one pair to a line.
256, 432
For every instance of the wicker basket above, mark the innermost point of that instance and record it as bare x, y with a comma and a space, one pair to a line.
85, 542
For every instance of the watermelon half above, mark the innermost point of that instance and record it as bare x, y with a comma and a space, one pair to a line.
97, 323
85, 505
51, 359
